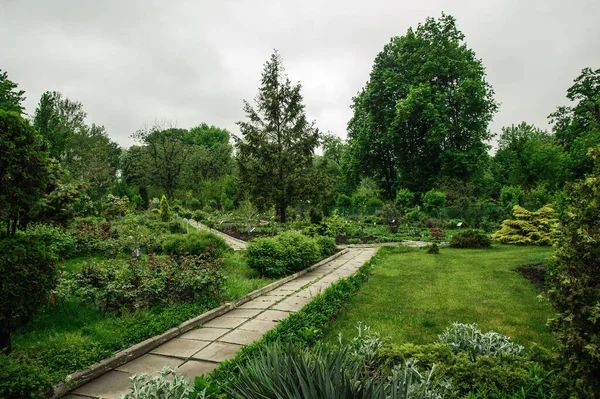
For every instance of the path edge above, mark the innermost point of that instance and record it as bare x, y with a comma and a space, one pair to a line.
79, 378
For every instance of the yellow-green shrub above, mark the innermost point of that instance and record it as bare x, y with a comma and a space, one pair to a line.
529, 228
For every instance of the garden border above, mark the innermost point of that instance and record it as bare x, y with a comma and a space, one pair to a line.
77, 379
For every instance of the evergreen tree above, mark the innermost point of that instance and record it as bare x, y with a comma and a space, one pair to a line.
276, 151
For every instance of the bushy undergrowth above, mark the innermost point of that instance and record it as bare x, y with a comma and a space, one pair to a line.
283, 254
194, 244
470, 239
326, 245
469, 339
143, 284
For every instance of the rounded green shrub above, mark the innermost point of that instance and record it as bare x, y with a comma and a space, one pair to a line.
283, 254
471, 239
194, 243
326, 245
22, 378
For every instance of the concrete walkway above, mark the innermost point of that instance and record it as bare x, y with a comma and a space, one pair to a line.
201, 350
233, 242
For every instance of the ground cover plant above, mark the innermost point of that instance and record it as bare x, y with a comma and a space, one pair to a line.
413, 296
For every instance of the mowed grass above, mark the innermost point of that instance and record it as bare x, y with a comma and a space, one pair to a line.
412, 296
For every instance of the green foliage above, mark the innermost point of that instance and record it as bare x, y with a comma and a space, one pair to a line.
323, 372
433, 200
326, 245
10, 97
165, 210
391, 217
511, 195
334, 225
194, 244
470, 238
469, 339
28, 270
343, 200
56, 239
574, 289
404, 198
283, 254
529, 228
315, 215
433, 249
166, 385
22, 379
275, 153
115, 207
373, 203
24, 168
143, 284
506, 373
424, 113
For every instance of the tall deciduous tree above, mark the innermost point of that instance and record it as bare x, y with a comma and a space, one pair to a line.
424, 112
10, 97
277, 146
168, 154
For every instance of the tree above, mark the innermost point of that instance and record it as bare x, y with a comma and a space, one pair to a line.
168, 154
10, 97
28, 270
577, 128
424, 113
24, 169
165, 210
574, 289
276, 150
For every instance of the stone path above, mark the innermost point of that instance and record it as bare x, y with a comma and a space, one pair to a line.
200, 350
233, 242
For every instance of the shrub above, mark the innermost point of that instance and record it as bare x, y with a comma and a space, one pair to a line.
354, 241
143, 284
195, 204
469, 339
470, 239
115, 207
574, 289
404, 198
143, 191
433, 200
334, 225
315, 215
167, 384
511, 195
326, 245
373, 202
199, 216
194, 244
56, 239
529, 228
433, 249
437, 233
28, 270
281, 255
391, 217
165, 210
343, 200
22, 378
294, 372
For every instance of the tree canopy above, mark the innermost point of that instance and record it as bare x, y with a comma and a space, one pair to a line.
425, 111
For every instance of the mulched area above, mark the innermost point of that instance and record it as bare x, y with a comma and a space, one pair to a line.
536, 274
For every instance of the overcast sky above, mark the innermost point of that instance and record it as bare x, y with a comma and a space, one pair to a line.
133, 62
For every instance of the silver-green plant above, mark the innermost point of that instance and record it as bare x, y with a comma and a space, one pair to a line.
159, 387
407, 382
469, 339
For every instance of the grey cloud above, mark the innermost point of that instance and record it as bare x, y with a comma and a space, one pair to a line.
133, 62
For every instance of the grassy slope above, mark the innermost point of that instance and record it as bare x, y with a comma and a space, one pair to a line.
413, 296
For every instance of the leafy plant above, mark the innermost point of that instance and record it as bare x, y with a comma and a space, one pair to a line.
470, 239
22, 378
283, 254
194, 244
529, 228
315, 215
160, 386
469, 339
326, 245
433, 249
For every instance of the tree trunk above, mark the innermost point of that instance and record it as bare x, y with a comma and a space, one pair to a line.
5, 343
282, 215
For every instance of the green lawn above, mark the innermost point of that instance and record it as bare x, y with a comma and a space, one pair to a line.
412, 296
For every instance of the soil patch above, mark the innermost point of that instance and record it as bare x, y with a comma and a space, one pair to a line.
536, 274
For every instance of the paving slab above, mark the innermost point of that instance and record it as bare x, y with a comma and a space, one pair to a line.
111, 385
217, 352
150, 364
73, 396
292, 304
245, 313
272, 315
241, 337
193, 368
225, 322
256, 304
205, 334
259, 325
180, 347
